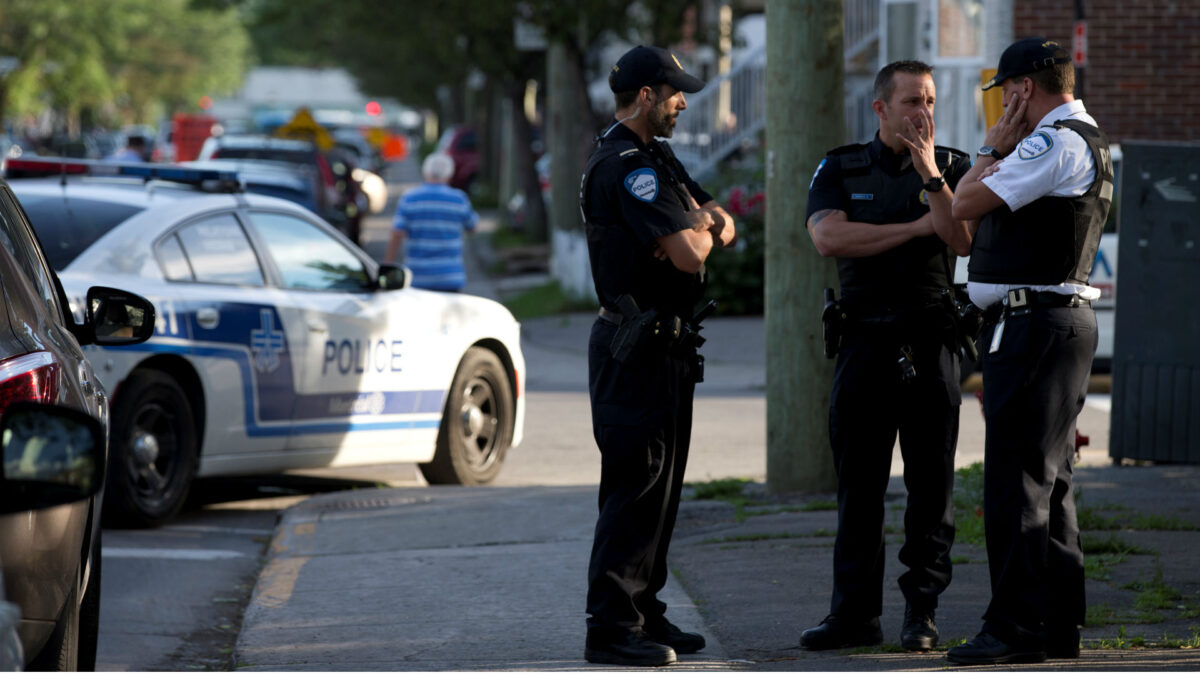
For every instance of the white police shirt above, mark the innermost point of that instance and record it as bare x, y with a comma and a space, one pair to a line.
1049, 161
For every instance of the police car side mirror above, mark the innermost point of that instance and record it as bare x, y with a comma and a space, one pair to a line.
393, 277
51, 455
118, 317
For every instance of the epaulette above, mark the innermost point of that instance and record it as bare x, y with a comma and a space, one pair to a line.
622, 147
854, 158
845, 149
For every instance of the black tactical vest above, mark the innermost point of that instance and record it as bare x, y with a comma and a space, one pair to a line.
912, 273
1051, 240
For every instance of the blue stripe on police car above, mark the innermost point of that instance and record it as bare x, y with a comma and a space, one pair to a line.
248, 336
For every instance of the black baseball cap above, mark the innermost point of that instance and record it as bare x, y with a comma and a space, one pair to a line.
1028, 56
648, 66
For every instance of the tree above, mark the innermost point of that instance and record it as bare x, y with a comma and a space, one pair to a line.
411, 50
127, 59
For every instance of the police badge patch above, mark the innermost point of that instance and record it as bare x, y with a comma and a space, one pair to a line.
643, 184
1035, 145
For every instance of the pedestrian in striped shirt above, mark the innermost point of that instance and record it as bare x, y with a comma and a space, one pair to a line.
429, 225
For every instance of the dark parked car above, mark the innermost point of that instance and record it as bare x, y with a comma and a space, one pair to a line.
293, 182
51, 556
338, 196
50, 456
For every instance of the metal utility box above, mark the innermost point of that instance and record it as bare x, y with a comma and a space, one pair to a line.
1156, 354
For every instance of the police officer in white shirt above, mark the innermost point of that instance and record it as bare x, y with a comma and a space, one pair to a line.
1040, 191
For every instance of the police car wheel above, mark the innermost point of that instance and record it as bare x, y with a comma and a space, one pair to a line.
477, 424
153, 451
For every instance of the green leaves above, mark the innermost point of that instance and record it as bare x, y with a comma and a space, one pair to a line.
130, 60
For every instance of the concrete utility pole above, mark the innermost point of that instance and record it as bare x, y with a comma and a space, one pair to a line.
805, 118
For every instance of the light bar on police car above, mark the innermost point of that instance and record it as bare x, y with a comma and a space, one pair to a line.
45, 167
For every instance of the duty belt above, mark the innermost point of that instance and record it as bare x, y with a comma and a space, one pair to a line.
615, 318
1021, 300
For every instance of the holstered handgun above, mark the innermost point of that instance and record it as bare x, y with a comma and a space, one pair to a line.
968, 320
832, 324
691, 340
639, 328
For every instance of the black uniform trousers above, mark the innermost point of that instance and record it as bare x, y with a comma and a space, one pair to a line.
642, 421
1034, 386
869, 405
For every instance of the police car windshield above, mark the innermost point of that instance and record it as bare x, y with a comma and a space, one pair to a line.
69, 226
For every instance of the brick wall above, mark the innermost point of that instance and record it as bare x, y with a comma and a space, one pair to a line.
1142, 80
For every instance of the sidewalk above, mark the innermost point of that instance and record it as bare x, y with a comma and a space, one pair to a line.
439, 578
493, 579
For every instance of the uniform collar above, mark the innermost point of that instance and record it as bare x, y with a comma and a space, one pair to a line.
622, 132
888, 158
1062, 112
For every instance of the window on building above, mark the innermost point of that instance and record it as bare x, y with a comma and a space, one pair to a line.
959, 29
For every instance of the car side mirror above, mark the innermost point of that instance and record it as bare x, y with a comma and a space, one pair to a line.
51, 456
119, 317
393, 277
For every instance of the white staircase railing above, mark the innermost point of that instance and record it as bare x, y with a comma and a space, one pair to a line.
729, 110
732, 107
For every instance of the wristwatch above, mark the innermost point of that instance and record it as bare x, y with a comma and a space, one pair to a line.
935, 184
989, 150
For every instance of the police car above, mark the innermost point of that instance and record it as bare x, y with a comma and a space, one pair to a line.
279, 344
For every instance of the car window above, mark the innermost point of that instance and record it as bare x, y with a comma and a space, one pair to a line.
16, 236
309, 258
219, 252
68, 226
173, 260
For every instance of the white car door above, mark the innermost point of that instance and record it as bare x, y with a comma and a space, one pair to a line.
220, 314
371, 374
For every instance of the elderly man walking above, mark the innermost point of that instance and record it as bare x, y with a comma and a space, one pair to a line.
429, 225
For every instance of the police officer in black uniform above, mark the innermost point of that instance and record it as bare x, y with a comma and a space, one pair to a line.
883, 209
650, 228
1042, 185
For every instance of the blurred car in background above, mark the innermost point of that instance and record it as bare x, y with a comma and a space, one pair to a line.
337, 198
294, 182
51, 557
461, 143
365, 155
280, 344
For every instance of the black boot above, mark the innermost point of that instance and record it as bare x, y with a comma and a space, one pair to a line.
920, 633
626, 648
1062, 644
667, 633
837, 632
987, 649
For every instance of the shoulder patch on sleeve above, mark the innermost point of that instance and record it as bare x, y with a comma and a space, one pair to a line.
819, 167
1035, 145
642, 184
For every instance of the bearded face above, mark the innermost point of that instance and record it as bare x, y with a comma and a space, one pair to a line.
664, 113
